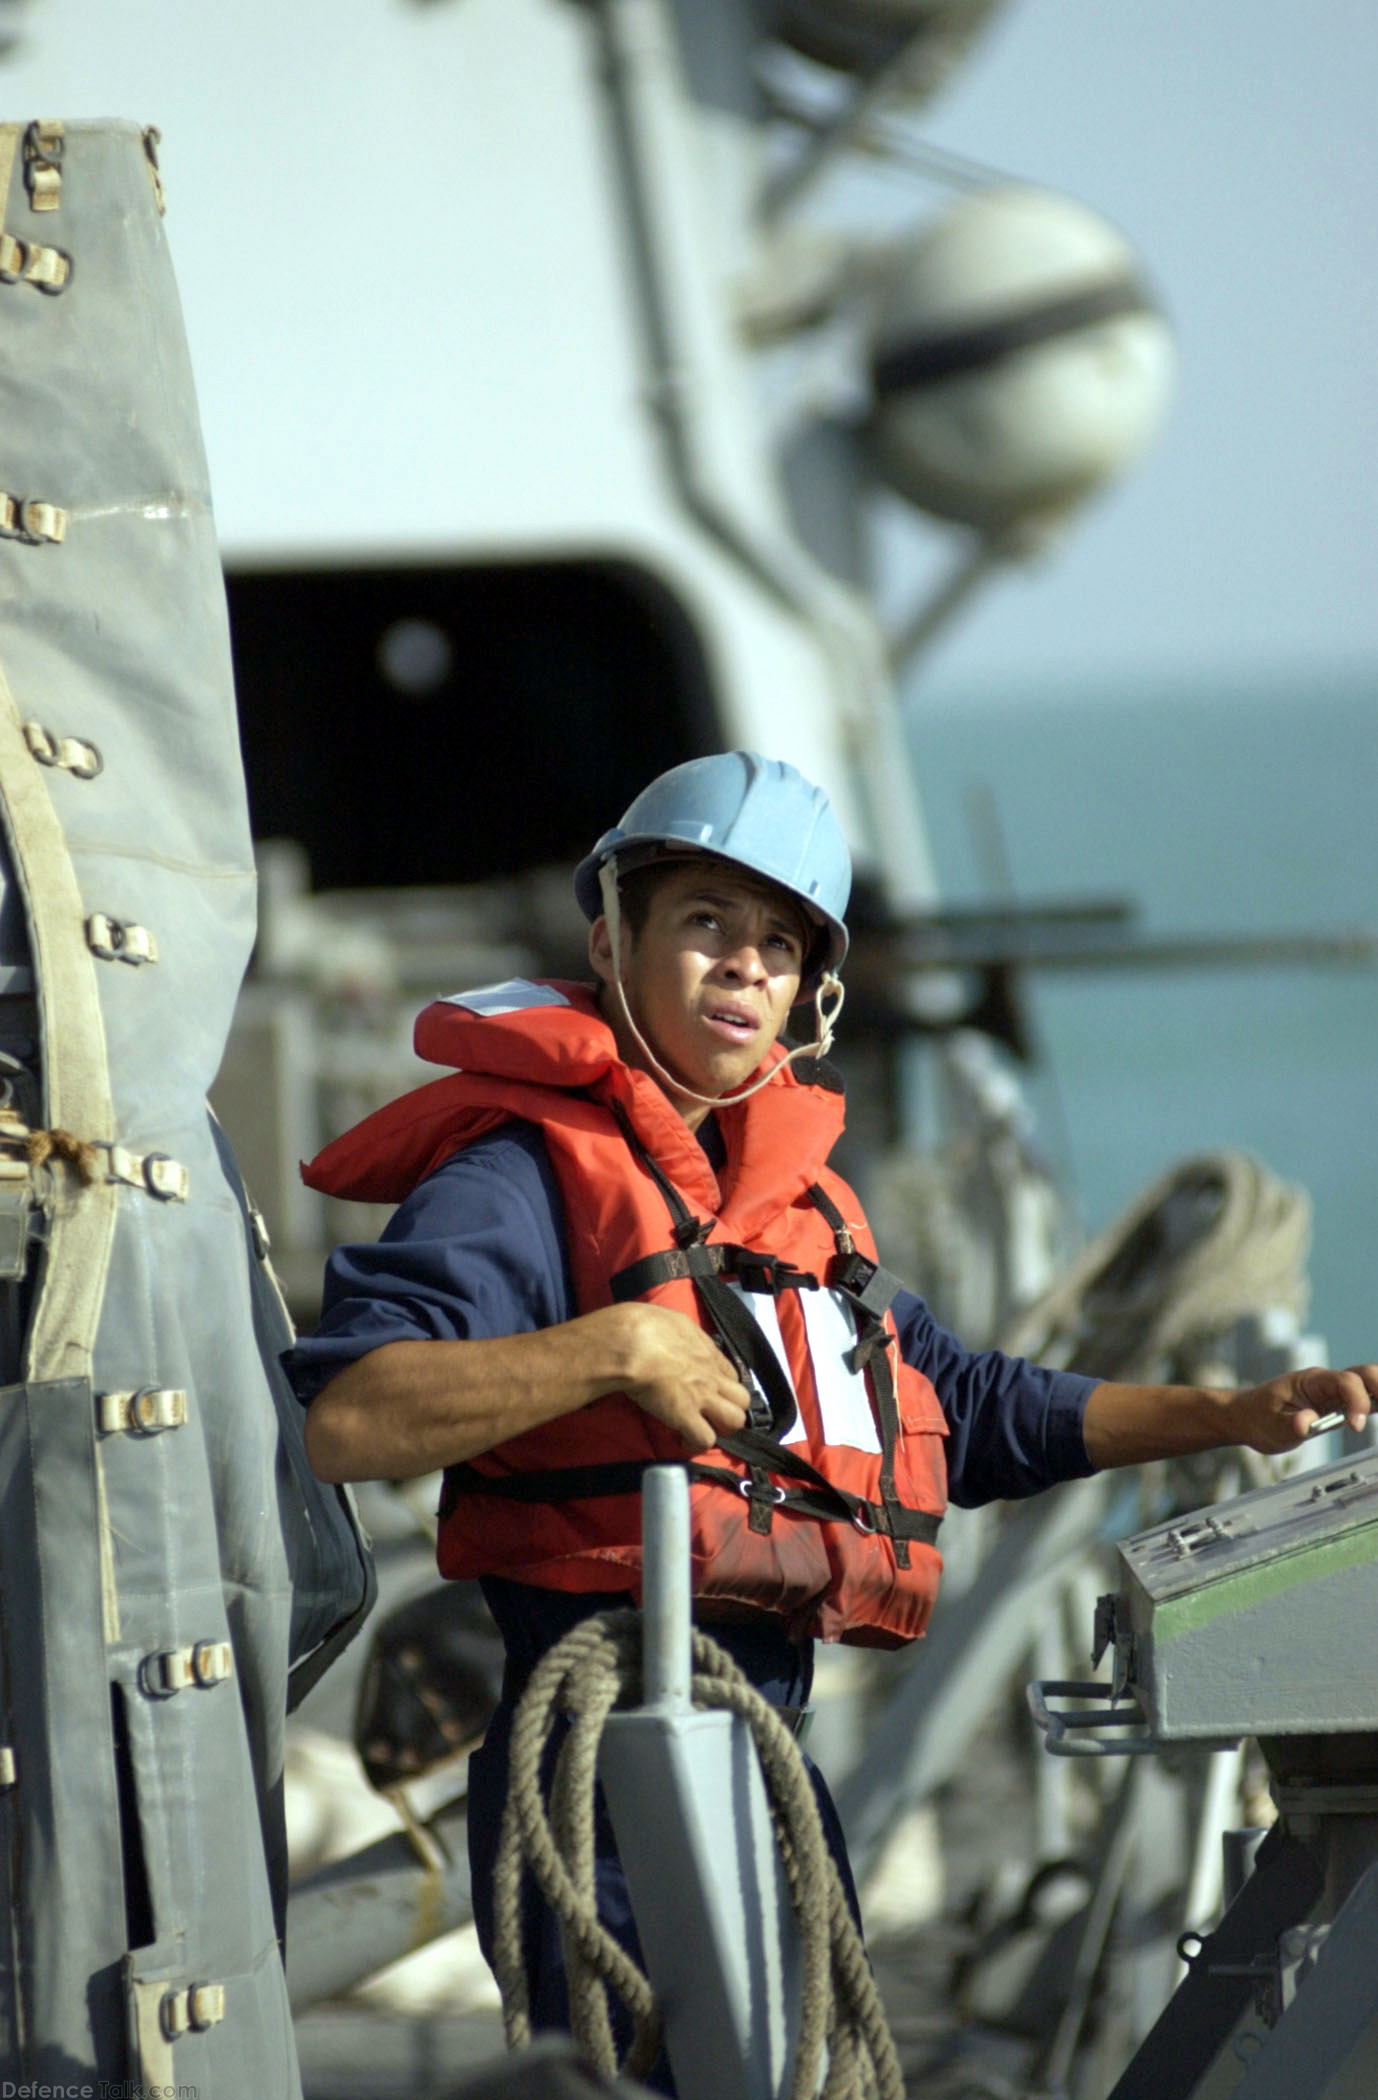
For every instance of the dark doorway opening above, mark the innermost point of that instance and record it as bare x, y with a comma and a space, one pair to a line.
451, 725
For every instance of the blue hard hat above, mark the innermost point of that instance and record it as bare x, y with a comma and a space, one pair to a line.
759, 813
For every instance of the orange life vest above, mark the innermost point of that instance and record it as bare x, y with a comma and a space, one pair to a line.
827, 1514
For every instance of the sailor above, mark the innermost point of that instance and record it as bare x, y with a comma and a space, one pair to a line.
619, 1242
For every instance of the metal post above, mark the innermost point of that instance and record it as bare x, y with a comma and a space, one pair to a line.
666, 1605
694, 1831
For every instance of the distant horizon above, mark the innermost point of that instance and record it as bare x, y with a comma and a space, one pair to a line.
1225, 684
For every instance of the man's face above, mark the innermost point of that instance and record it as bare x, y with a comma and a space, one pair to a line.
711, 976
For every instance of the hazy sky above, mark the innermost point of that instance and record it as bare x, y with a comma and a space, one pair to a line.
1232, 140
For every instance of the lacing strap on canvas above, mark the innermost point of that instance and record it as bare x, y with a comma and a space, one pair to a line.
43, 148
199, 2006
198, 1667
32, 519
28, 262
119, 940
73, 754
142, 1412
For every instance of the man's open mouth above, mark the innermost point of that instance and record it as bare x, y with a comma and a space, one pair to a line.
739, 1026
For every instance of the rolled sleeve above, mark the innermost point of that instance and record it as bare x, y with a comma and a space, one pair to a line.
1014, 1428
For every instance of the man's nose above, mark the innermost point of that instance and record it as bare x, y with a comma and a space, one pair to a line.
745, 961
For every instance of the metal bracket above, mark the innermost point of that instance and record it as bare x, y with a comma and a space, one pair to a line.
1307, 1800
1088, 1730
1299, 1949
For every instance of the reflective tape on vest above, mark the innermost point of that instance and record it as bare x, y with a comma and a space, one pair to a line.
516, 995
844, 1399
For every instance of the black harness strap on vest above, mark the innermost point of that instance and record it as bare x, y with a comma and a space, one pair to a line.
820, 1498
753, 1271
751, 1355
868, 1288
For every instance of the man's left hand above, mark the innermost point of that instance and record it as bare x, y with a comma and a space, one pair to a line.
1281, 1414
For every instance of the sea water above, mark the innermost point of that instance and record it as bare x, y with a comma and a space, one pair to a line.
1215, 806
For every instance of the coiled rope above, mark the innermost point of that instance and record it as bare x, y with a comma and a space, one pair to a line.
1156, 1295
598, 1666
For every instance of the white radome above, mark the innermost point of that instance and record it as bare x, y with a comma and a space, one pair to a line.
1038, 429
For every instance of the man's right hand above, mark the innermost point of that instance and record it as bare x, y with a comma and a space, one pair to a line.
679, 1375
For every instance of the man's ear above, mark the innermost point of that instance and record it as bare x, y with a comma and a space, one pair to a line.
600, 950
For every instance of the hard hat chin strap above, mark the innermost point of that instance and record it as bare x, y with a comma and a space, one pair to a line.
829, 987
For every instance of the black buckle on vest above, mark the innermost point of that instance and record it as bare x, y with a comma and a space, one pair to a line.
869, 1290
865, 1282
768, 1274
691, 1232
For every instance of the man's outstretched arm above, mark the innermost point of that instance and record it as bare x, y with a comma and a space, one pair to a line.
1125, 1425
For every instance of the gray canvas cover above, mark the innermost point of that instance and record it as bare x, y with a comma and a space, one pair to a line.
150, 1546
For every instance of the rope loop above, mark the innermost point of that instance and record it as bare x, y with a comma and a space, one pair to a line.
596, 1667
44, 1146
